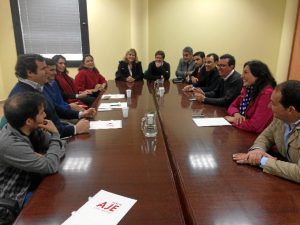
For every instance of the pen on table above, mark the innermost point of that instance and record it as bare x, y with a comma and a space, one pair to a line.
115, 104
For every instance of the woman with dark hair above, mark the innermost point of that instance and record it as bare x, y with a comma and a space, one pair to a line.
130, 69
88, 78
67, 86
250, 110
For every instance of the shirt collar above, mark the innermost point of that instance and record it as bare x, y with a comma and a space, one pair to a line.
229, 75
33, 84
290, 127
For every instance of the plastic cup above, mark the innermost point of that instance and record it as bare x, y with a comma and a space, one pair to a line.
125, 112
161, 91
128, 93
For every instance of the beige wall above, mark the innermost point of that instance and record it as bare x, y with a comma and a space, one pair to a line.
8, 55
248, 29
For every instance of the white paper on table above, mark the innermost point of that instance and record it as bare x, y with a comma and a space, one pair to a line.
113, 96
104, 208
105, 124
111, 105
211, 122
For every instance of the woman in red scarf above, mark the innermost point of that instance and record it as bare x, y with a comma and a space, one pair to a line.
89, 78
67, 86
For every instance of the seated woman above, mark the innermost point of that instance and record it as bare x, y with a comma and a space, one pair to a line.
250, 110
158, 68
88, 78
130, 69
66, 84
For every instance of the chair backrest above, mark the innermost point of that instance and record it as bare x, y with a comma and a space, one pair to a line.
10, 208
3, 122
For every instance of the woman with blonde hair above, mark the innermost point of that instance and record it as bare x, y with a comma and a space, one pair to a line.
130, 69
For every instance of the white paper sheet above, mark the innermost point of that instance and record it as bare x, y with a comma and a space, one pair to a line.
111, 105
104, 208
113, 96
211, 122
105, 124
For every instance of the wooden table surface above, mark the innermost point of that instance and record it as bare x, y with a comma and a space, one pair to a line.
184, 176
121, 161
215, 189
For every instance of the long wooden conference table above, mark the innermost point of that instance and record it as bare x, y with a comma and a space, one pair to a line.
183, 176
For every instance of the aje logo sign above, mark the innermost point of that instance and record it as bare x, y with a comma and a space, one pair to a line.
108, 207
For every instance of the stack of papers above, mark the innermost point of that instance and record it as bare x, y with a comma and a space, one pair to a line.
111, 105
105, 124
104, 208
211, 122
113, 96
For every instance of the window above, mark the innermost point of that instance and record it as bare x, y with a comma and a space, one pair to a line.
50, 27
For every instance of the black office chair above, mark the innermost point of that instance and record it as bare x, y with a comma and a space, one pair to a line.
12, 208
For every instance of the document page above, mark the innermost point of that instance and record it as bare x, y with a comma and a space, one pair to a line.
211, 122
105, 124
104, 208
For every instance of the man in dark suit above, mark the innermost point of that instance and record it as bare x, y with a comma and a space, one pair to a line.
229, 85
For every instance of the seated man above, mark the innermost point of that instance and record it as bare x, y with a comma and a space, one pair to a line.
229, 85
284, 132
31, 73
53, 91
158, 68
186, 64
208, 76
29, 145
198, 58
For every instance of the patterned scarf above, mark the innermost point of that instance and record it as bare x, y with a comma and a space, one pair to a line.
246, 100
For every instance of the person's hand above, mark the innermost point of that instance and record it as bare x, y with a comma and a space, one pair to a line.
199, 97
238, 118
82, 94
89, 113
82, 126
199, 90
251, 158
77, 107
130, 79
49, 126
158, 64
188, 88
189, 73
194, 79
230, 119
99, 87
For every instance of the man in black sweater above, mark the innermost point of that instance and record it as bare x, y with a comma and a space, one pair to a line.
229, 85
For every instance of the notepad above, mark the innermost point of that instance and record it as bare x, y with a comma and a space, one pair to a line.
105, 124
111, 105
211, 122
104, 208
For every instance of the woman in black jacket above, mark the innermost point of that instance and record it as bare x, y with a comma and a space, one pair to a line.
130, 69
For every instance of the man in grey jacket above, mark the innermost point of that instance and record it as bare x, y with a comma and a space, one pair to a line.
30, 145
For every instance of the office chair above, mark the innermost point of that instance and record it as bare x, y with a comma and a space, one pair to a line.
12, 207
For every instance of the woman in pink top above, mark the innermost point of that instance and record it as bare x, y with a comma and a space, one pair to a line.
88, 78
250, 110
